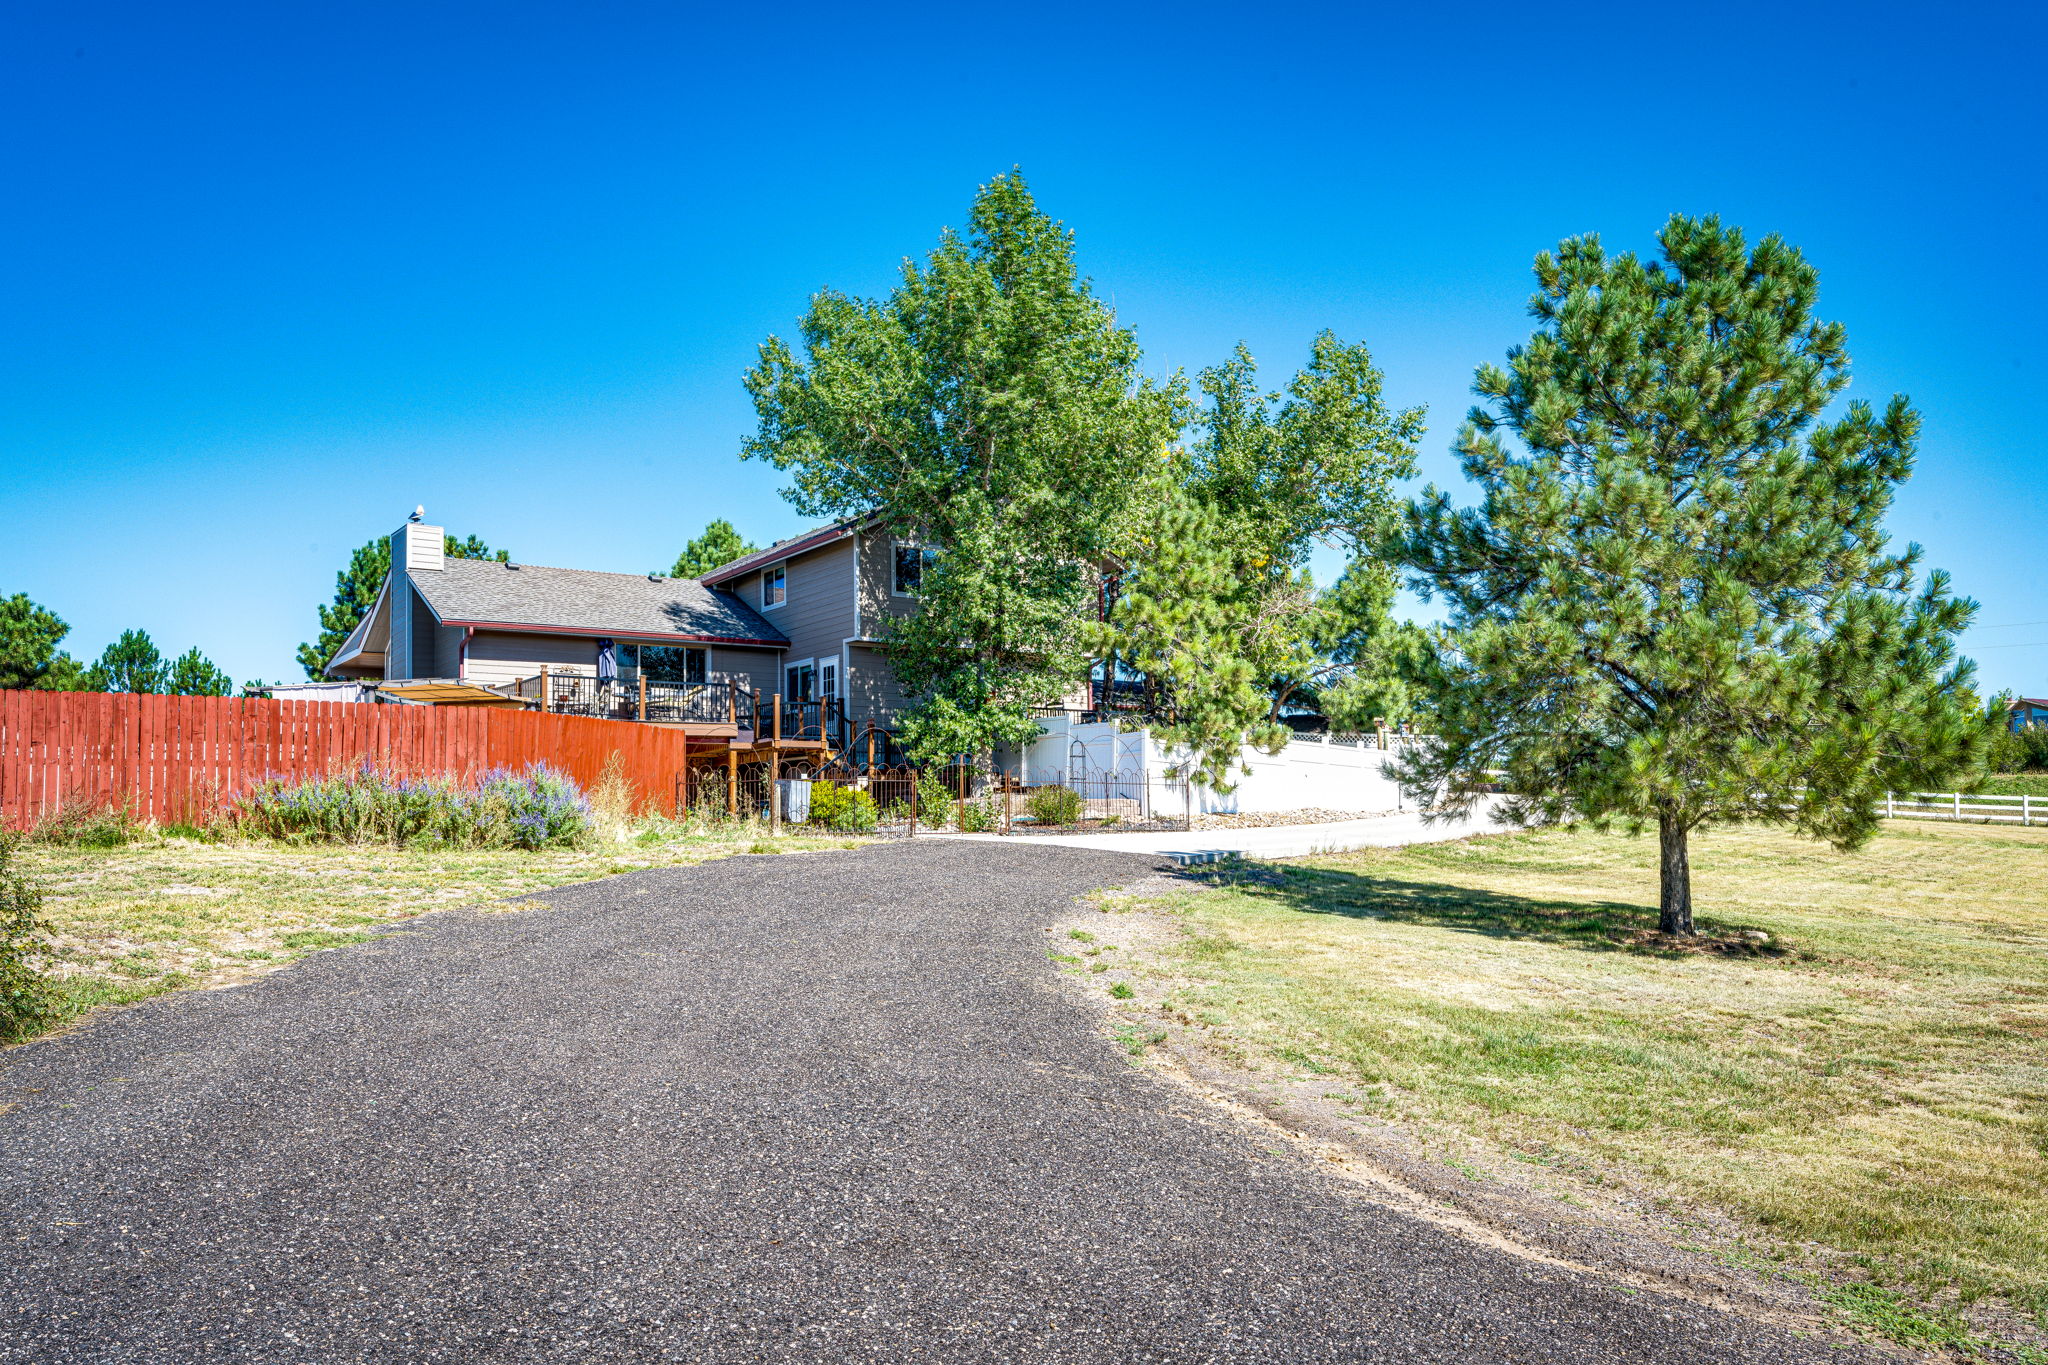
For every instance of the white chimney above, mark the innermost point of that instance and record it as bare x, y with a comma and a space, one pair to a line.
417, 548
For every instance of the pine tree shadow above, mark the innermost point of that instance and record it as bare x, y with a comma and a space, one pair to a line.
1595, 926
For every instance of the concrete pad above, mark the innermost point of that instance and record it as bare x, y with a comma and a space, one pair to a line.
1392, 830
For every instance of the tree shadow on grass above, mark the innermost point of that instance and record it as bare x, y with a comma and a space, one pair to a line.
1597, 926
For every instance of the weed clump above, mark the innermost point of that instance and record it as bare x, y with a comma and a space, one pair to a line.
27, 1004
88, 824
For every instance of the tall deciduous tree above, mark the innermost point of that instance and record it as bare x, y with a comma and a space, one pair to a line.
1217, 607
989, 406
192, 674
29, 657
1676, 605
355, 591
719, 544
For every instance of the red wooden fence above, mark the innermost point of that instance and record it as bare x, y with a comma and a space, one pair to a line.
183, 758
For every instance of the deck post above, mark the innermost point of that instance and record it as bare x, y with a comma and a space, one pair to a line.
543, 687
732, 782
871, 748
643, 696
775, 791
778, 718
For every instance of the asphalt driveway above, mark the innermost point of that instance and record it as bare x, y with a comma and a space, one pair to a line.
824, 1107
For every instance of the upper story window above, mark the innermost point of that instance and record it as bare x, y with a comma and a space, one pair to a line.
775, 586
911, 562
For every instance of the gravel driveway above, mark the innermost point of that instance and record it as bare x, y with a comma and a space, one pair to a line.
826, 1107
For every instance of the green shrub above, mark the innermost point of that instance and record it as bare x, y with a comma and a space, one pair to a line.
935, 800
982, 814
538, 808
27, 1006
88, 824
846, 809
1054, 805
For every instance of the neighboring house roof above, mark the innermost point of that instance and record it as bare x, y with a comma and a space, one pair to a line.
484, 592
782, 549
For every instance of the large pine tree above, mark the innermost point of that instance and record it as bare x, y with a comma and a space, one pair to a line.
1676, 605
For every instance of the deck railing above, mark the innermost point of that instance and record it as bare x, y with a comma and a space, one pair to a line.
670, 703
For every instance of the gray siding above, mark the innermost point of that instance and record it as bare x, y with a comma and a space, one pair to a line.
872, 691
424, 638
877, 579
758, 669
818, 614
448, 651
503, 656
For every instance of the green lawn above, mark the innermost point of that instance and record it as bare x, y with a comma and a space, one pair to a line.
167, 913
2015, 784
1873, 1078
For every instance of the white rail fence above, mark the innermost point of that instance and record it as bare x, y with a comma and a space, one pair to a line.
1978, 806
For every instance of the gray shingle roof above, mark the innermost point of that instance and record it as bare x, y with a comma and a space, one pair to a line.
827, 534
585, 602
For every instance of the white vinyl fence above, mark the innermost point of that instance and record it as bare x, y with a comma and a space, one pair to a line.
1104, 761
1979, 806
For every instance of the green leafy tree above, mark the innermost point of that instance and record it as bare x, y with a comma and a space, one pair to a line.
132, 664
192, 674
29, 657
991, 407
1676, 605
355, 592
720, 544
1217, 607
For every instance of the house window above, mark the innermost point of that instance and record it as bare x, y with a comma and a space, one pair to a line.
911, 562
665, 663
828, 679
775, 586
801, 681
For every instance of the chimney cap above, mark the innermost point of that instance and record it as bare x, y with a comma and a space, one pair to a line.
418, 513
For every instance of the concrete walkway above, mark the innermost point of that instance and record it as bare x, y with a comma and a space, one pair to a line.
1286, 841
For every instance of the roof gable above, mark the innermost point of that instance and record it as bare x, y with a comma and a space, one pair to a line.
802, 543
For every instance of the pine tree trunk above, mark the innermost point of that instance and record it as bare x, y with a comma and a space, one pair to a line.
1674, 877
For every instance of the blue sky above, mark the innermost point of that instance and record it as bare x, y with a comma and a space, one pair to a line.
275, 274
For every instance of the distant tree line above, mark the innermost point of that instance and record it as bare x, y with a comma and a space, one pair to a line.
30, 657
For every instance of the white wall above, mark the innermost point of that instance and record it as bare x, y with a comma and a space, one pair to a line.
1308, 772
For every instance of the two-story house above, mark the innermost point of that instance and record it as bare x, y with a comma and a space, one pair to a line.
804, 619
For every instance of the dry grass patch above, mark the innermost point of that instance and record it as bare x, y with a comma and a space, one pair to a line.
167, 913
1872, 1077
